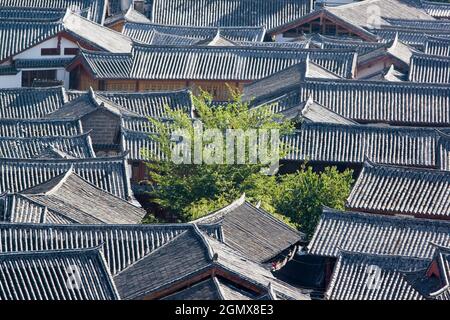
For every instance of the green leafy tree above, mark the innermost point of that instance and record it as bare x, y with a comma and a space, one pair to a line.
192, 190
301, 195
189, 191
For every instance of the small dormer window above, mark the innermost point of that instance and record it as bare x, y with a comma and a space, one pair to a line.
71, 51
50, 52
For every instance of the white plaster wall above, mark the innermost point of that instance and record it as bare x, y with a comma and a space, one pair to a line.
11, 81
35, 52
63, 75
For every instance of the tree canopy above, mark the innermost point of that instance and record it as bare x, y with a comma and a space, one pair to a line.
190, 190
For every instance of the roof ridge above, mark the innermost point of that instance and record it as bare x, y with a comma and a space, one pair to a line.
395, 219
380, 256
61, 182
380, 83
143, 93
45, 138
58, 212
371, 126
39, 120
310, 101
157, 249
273, 218
52, 252
96, 159
374, 165
430, 56
90, 227
218, 287
149, 47
70, 172
211, 254
196, 27
223, 211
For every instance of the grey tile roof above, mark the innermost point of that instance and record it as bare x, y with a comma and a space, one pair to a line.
7, 70
131, 106
110, 66
131, 15
401, 103
305, 44
139, 124
139, 145
115, 6
410, 36
158, 39
143, 32
314, 112
359, 13
287, 77
420, 24
361, 47
21, 35
188, 255
437, 9
204, 290
230, 292
394, 49
45, 275
437, 46
233, 262
123, 245
351, 278
71, 199
251, 231
321, 13
433, 285
96, 35
444, 151
85, 104
20, 209
392, 74
151, 104
41, 63
94, 10
210, 63
359, 16
268, 13
182, 256
396, 190
430, 69
377, 234
309, 111
337, 143
108, 174
79, 146
31, 14
386, 74
244, 63
51, 152
14, 128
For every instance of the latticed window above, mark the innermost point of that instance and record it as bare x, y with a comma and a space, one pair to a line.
29, 76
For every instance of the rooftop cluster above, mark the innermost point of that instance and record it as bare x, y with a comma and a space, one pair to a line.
80, 78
